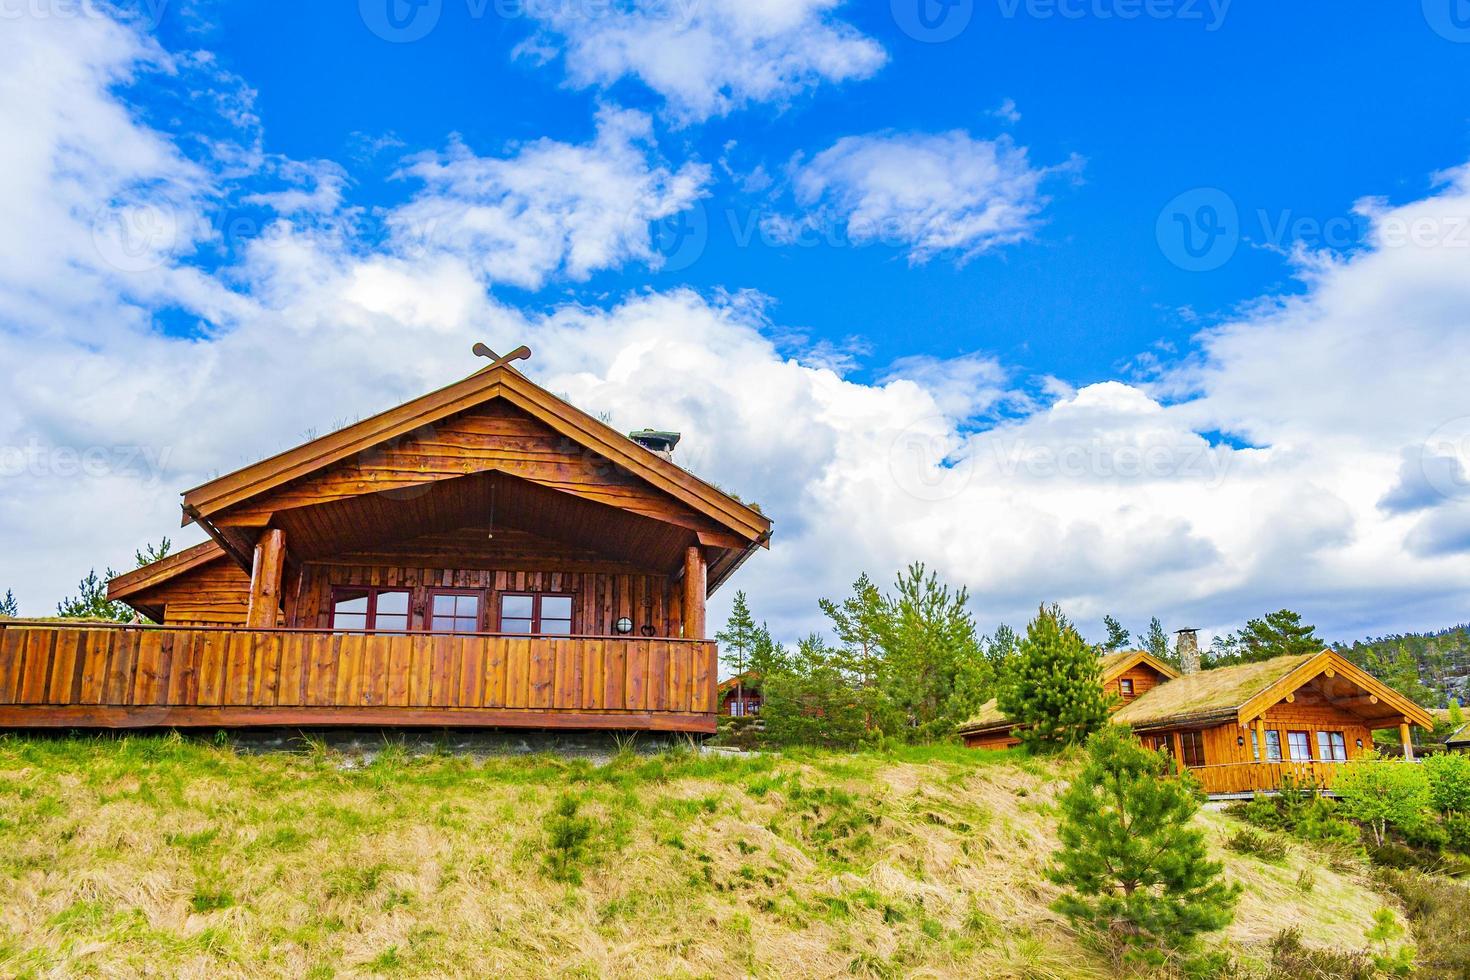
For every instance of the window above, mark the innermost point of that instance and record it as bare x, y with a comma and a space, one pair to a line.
1125, 687
1164, 744
1331, 746
454, 612
370, 609
1273, 745
1255, 746
537, 614
1192, 745
1300, 744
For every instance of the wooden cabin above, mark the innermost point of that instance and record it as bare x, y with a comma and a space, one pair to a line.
1241, 729
485, 555
1126, 675
741, 697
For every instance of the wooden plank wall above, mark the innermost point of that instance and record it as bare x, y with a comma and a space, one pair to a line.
215, 594
242, 677
1144, 679
600, 599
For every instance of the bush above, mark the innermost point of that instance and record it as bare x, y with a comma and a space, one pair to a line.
1263, 846
1439, 916
1383, 795
1291, 960
1449, 781
1457, 831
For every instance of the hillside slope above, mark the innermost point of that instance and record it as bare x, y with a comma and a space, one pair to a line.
159, 856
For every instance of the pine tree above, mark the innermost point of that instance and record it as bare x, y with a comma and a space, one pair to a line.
1156, 641
813, 701
8, 606
151, 553
933, 667
1134, 867
1053, 686
1278, 634
857, 621
737, 640
91, 601
1118, 637
1000, 649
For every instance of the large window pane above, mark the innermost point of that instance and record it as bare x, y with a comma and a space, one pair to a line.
508, 625
517, 606
556, 607
349, 611
556, 627
1300, 745
392, 604
1273, 746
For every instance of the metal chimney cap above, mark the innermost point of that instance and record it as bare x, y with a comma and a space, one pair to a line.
1188, 629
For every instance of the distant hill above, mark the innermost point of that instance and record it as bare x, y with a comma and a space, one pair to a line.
1429, 667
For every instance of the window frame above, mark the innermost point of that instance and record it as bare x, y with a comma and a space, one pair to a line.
1192, 745
536, 617
432, 591
370, 618
1276, 748
1306, 737
1335, 749
1125, 688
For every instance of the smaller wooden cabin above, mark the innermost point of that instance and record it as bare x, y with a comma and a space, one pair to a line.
741, 697
1127, 675
1241, 729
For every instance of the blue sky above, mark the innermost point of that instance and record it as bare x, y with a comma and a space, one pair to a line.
1270, 103
1151, 308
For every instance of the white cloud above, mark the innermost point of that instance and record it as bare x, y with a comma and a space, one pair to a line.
935, 194
550, 207
1105, 497
706, 57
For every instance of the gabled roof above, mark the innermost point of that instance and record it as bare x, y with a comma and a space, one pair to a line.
498, 381
1244, 692
989, 717
131, 583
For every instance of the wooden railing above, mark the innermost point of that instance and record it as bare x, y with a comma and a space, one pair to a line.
1247, 777
83, 675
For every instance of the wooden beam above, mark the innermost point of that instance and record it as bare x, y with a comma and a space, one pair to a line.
1408, 742
694, 593
1260, 740
266, 573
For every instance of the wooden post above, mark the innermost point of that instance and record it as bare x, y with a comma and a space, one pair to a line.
694, 593
1406, 740
1178, 753
1261, 740
265, 579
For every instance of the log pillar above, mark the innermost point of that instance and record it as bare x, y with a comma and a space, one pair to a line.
266, 574
1178, 752
1261, 740
1407, 741
694, 593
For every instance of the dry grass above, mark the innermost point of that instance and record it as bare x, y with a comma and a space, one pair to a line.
156, 856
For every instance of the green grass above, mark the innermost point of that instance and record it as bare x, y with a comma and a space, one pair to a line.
158, 854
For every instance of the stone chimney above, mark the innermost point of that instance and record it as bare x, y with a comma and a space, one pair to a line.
1186, 647
656, 442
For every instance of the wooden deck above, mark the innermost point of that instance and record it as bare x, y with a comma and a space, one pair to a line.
78, 675
1244, 778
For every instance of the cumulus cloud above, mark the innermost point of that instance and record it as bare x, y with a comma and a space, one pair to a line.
1109, 497
710, 57
550, 206
934, 194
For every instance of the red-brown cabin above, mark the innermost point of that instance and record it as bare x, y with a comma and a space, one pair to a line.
485, 555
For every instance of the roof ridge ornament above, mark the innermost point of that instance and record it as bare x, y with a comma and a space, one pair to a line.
521, 353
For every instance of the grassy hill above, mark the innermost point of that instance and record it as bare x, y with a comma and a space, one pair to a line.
156, 855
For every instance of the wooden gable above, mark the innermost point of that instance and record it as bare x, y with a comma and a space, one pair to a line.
1332, 682
492, 449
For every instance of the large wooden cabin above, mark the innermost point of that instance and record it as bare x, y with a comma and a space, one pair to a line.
1243, 729
485, 555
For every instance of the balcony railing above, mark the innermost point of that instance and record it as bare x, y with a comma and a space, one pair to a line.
1247, 777
83, 675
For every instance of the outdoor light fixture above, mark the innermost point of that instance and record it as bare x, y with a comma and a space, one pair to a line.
624, 626
1360, 743
1240, 740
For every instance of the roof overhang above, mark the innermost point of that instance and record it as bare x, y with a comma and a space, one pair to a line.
1335, 667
